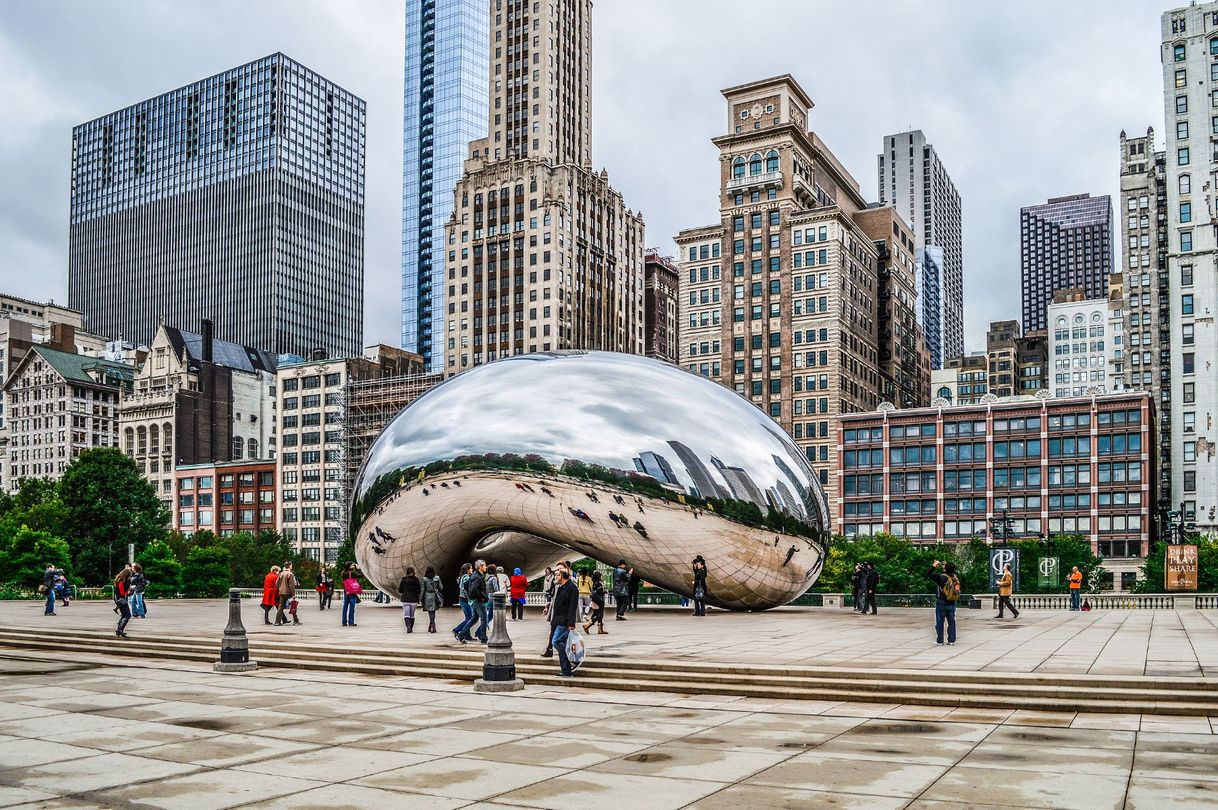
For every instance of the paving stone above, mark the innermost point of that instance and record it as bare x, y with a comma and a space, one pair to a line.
460, 778
91, 773
209, 790
813, 771
598, 789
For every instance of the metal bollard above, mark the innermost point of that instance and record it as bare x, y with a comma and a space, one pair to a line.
499, 665
234, 648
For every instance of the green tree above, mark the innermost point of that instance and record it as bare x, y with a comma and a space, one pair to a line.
1154, 566
108, 504
162, 569
27, 555
36, 505
208, 571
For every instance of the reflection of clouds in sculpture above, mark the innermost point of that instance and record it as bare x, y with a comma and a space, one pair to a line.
607, 409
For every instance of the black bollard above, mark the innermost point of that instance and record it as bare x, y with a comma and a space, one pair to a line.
234, 648
499, 665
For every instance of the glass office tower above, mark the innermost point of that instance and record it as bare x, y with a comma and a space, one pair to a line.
443, 109
238, 198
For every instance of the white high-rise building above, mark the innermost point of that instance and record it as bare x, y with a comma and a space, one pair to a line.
1190, 93
915, 182
1086, 345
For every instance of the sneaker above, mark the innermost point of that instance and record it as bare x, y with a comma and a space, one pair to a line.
939, 643
951, 644
548, 654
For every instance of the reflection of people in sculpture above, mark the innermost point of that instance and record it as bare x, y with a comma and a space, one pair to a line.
790, 553
638, 527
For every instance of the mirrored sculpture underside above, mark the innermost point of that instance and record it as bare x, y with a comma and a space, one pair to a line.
540, 458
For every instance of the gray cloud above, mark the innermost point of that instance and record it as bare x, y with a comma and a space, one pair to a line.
1022, 101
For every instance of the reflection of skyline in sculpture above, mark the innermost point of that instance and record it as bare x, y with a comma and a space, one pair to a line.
521, 462
738, 481
704, 485
656, 466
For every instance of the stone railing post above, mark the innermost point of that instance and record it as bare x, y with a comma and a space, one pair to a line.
234, 648
499, 665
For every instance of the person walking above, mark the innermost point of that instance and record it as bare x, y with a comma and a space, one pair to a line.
63, 587
598, 599
351, 591
270, 593
872, 583
856, 587
286, 587
325, 588
519, 584
699, 586
621, 588
410, 589
49, 577
461, 631
558, 569
548, 585
433, 597
563, 619
478, 598
138, 582
1005, 587
122, 594
947, 593
1076, 588
495, 583
584, 583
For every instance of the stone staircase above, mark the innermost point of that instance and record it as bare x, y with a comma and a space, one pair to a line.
1193, 696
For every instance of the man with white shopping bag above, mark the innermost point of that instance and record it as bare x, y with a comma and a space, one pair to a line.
564, 613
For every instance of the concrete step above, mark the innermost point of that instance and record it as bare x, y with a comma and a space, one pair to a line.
1064, 692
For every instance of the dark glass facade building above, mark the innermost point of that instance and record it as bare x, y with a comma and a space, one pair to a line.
1064, 243
443, 109
239, 199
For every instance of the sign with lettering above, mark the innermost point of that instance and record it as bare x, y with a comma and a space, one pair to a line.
1181, 569
1048, 572
1000, 557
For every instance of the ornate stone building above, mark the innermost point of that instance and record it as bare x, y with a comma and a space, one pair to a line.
542, 253
786, 284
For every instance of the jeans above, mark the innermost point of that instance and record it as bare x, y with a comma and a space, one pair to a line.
482, 617
869, 602
50, 608
948, 613
348, 609
462, 629
408, 609
559, 641
124, 614
623, 602
324, 599
1075, 598
138, 608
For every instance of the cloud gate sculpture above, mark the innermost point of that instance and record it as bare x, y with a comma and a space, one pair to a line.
544, 457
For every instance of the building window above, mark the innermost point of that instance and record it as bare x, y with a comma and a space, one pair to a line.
1186, 184
1186, 212
771, 161
1186, 304
1177, 53
1182, 130
1181, 78
1181, 105
1186, 241
1182, 156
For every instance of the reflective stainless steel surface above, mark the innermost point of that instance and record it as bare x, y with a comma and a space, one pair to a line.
543, 457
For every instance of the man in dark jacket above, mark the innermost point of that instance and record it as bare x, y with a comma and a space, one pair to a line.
945, 609
872, 582
856, 587
48, 583
476, 590
621, 588
564, 613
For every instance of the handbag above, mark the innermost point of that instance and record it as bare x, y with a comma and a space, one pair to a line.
699, 593
42, 589
576, 647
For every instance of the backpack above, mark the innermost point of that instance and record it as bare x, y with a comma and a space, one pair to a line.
951, 588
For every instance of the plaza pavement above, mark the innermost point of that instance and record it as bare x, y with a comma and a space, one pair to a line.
1123, 642
85, 731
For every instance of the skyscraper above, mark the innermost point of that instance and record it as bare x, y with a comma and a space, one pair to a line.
542, 253
238, 198
1064, 243
786, 285
914, 180
443, 109
1147, 312
1190, 90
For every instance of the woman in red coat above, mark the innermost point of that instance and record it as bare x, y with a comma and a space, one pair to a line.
519, 584
270, 593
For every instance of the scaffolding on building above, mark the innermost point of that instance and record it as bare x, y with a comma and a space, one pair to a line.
368, 406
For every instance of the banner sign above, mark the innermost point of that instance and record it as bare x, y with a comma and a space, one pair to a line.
1000, 557
1181, 568
1048, 572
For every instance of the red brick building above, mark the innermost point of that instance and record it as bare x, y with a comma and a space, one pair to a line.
226, 497
1083, 465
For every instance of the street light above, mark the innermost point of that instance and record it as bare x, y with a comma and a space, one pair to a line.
1001, 526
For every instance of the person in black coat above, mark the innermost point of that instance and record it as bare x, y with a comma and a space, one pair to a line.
856, 587
699, 586
564, 614
621, 588
872, 583
410, 588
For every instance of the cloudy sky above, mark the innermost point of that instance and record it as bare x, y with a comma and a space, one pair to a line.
1023, 101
